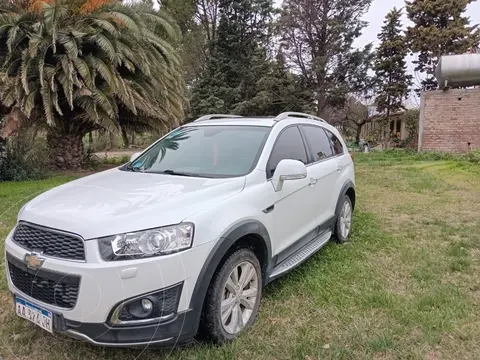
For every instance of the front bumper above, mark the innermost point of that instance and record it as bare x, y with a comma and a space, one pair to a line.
177, 331
103, 285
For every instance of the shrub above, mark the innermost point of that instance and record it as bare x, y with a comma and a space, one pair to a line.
18, 162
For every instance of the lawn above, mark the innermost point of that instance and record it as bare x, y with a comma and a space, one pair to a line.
405, 287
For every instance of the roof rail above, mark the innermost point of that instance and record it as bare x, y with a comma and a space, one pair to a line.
216, 116
286, 115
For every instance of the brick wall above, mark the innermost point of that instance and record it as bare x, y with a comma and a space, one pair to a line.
449, 120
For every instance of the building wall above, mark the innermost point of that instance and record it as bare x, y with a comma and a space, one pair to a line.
397, 126
449, 120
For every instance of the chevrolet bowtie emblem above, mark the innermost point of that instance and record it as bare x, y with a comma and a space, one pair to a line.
33, 260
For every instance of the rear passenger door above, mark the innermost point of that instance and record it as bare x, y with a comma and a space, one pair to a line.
323, 168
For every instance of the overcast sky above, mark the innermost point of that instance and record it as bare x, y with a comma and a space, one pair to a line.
376, 16
380, 8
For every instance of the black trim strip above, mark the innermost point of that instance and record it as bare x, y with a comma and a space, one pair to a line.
269, 209
42, 273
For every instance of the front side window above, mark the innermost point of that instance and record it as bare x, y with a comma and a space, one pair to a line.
289, 145
205, 151
319, 142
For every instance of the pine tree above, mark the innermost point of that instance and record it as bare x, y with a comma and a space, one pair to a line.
318, 36
280, 90
238, 59
391, 70
440, 28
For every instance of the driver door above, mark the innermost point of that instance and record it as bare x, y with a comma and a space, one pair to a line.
294, 213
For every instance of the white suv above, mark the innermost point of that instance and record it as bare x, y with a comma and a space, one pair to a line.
182, 239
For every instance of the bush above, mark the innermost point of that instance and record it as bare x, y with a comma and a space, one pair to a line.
471, 157
18, 163
397, 156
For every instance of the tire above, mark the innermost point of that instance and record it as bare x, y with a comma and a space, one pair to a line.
212, 328
341, 236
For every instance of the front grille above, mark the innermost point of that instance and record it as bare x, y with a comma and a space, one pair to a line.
49, 287
49, 242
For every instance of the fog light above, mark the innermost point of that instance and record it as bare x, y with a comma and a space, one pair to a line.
147, 305
153, 307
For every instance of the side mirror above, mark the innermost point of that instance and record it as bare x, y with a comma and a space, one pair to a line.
135, 156
286, 170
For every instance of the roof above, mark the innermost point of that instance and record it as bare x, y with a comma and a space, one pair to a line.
252, 121
224, 119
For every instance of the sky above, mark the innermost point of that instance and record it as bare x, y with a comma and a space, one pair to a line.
380, 8
376, 15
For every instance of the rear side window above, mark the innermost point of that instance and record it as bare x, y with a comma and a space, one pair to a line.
336, 144
289, 145
319, 142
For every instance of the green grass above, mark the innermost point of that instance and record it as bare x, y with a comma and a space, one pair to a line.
404, 287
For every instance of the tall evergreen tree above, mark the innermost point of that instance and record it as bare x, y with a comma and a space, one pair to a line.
439, 28
280, 90
194, 44
391, 70
238, 59
318, 35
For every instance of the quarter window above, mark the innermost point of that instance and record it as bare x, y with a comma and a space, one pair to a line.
319, 143
289, 145
336, 143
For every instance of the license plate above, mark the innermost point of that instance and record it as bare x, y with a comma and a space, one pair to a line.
34, 313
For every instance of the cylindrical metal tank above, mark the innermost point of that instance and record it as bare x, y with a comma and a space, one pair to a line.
458, 70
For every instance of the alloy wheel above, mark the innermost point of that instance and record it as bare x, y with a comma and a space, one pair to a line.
239, 297
346, 219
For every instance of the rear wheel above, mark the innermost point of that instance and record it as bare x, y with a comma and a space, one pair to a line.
233, 298
343, 226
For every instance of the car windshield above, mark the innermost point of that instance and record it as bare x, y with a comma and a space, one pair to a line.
204, 151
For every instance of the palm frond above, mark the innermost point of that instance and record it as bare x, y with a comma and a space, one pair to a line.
106, 45
26, 60
69, 43
125, 20
107, 26
47, 105
29, 103
93, 67
84, 71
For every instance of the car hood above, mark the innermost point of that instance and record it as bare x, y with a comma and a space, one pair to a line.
116, 201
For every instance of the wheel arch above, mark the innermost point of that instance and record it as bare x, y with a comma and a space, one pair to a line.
349, 190
249, 233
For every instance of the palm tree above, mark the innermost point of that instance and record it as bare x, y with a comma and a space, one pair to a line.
83, 64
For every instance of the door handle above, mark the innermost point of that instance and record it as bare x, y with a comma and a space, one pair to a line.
312, 182
339, 167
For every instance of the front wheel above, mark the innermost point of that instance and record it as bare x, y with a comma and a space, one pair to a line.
233, 298
344, 220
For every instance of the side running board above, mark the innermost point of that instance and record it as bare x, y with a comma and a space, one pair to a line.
301, 255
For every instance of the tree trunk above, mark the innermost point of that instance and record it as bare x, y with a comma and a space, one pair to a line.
124, 137
387, 131
90, 140
66, 149
321, 103
111, 135
133, 138
359, 132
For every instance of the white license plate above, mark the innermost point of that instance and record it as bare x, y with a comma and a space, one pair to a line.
34, 313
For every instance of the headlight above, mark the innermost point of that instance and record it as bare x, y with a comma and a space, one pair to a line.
152, 242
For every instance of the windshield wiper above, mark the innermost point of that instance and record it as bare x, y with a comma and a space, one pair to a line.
177, 173
129, 167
